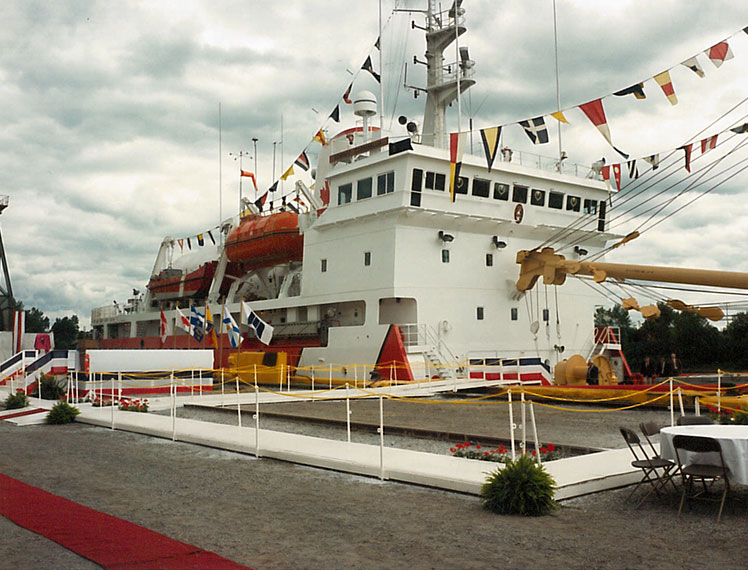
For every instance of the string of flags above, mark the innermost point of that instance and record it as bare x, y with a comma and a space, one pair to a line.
537, 130
198, 240
200, 325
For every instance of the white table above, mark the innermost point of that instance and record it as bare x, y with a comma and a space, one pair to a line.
733, 439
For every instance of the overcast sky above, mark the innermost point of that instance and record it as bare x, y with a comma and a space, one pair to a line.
110, 136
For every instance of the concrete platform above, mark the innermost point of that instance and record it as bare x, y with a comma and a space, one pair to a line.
574, 476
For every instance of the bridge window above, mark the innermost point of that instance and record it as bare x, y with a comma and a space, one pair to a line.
573, 203
367, 258
501, 191
363, 189
323, 265
416, 185
537, 198
481, 187
479, 313
385, 183
519, 194
461, 185
515, 313
445, 256
489, 260
556, 200
590, 207
345, 193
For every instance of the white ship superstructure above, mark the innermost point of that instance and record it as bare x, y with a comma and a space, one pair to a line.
386, 262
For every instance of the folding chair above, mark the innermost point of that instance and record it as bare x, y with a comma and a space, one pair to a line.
648, 465
651, 429
694, 421
700, 471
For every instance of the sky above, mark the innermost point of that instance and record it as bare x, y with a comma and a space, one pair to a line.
110, 114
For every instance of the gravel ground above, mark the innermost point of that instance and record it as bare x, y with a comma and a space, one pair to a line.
270, 514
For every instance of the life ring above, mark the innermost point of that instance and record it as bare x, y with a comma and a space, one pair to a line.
518, 213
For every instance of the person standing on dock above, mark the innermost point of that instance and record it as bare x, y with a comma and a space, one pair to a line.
672, 366
648, 370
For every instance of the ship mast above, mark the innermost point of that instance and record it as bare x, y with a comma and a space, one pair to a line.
443, 82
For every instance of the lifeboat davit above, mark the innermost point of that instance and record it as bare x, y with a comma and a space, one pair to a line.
175, 283
263, 241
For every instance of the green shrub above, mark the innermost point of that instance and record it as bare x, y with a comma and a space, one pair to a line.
51, 389
62, 413
17, 400
521, 487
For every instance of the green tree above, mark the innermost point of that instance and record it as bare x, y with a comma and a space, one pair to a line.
66, 332
36, 321
735, 337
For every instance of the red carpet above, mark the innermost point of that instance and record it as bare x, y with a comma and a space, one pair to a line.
106, 540
20, 414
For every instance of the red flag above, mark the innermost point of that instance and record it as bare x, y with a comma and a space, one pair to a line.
708, 143
617, 175
605, 171
250, 175
456, 149
663, 80
719, 53
320, 137
163, 327
347, 94
595, 113
687, 149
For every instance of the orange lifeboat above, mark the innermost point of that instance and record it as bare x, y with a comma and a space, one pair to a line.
262, 241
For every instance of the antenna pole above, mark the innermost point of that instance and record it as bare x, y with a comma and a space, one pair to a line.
220, 170
381, 75
457, 68
558, 86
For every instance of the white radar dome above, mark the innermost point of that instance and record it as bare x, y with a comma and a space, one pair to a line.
365, 104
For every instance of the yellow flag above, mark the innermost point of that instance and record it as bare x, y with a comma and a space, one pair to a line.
559, 116
288, 173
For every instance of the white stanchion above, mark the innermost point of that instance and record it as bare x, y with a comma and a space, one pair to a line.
173, 389
719, 391
680, 402
524, 421
119, 386
330, 376
280, 379
511, 421
222, 387
111, 402
200, 379
696, 406
257, 417
672, 404
348, 413
238, 402
535, 432
192, 382
312, 382
381, 438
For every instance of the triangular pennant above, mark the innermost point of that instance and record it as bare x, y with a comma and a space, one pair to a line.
287, 173
617, 174
719, 53
635, 90
181, 244
189, 244
654, 160
210, 235
377, 44
605, 171
347, 95
708, 143
536, 130
303, 161
456, 149
200, 240
490, 138
663, 80
741, 130
335, 115
559, 116
595, 113
633, 169
693, 64
260, 202
320, 137
623, 154
686, 148
367, 66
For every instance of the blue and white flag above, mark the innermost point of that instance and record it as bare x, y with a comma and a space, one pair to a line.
263, 330
230, 327
197, 324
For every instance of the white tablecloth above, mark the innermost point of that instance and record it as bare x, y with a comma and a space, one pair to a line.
733, 439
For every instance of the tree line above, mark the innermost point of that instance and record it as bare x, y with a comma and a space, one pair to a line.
699, 345
66, 329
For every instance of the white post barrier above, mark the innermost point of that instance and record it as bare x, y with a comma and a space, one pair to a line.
355, 375
696, 406
238, 402
330, 376
672, 407
280, 379
680, 402
381, 438
524, 421
257, 416
119, 386
719, 391
313, 383
192, 382
511, 421
222, 388
200, 379
111, 401
348, 413
173, 390
535, 432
